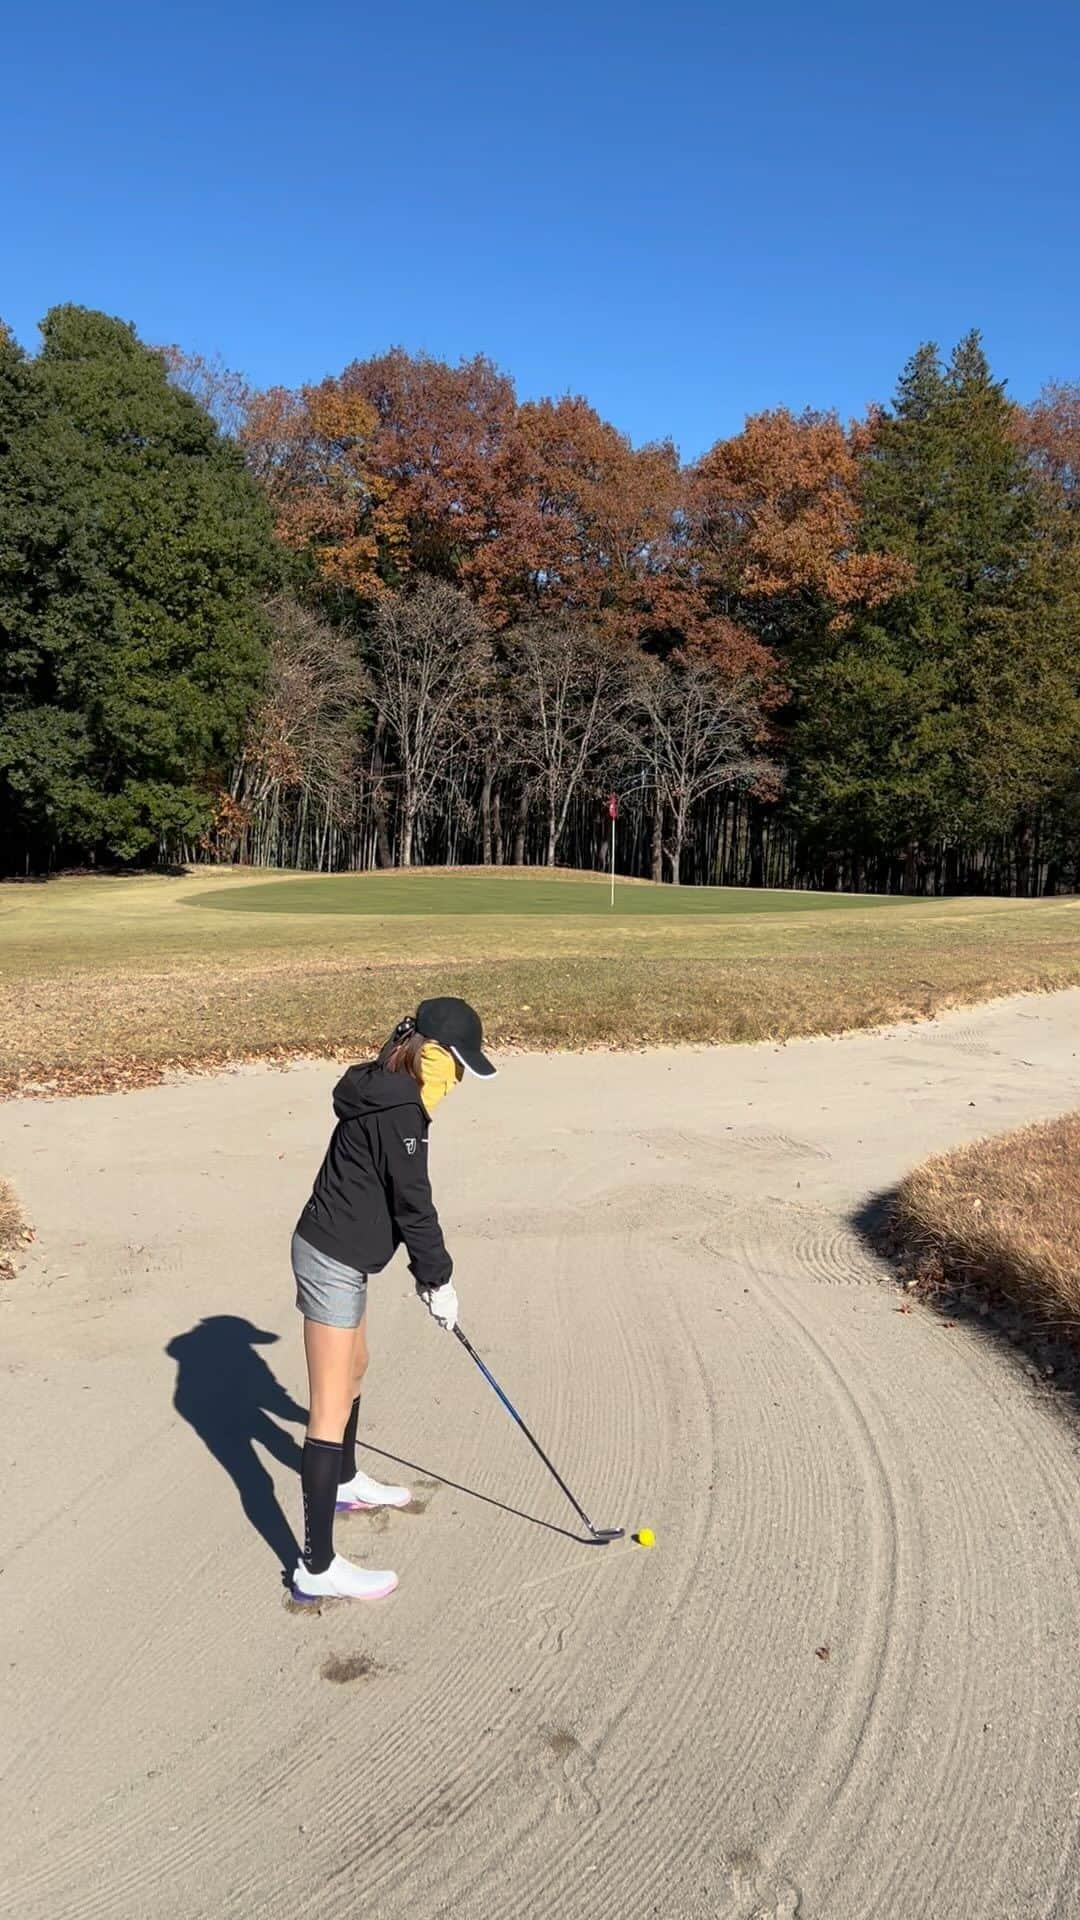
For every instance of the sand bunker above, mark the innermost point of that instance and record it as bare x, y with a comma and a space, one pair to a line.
844, 1682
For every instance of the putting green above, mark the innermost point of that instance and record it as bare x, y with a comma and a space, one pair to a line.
426, 895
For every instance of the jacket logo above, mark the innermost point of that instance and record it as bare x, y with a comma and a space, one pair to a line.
410, 1146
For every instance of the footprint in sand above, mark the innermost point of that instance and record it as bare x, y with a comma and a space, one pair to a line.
783, 1905
342, 1669
575, 1793
375, 1519
750, 1881
556, 1623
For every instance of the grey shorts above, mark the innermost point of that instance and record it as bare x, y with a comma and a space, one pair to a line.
327, 1291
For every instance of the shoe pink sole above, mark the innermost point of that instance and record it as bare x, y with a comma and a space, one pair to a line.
369, 1506
315, 1599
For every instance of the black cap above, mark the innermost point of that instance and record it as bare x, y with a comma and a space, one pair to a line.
456, 1026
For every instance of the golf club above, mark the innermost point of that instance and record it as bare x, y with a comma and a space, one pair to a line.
600, 1535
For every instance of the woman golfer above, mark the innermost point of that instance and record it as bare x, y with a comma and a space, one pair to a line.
372, 1192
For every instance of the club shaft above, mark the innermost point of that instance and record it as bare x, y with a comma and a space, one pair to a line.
530, 1437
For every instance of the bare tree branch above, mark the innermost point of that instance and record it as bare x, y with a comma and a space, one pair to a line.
431, 650
569, 687
700, 732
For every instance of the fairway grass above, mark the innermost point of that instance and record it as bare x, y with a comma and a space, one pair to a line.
432, 895
112, 982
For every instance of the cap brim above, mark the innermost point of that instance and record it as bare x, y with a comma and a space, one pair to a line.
475, 1063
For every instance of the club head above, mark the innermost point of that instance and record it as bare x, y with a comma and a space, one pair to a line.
602, 1536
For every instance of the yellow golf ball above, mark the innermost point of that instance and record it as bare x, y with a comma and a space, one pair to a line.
645, 1537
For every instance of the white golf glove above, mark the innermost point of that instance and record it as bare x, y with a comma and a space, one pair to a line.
441, 1303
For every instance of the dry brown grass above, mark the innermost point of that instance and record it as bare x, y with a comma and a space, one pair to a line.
14, 1232
1003, 1214
115, 982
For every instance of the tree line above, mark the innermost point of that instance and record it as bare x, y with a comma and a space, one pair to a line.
401, 617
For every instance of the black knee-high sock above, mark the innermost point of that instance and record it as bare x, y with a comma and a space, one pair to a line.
348, 1445
319, 1480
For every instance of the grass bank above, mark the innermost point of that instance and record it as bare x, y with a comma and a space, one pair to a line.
113, 982
1001, 1215
14, 1232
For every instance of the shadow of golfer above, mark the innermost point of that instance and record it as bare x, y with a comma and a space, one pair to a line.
226, 1391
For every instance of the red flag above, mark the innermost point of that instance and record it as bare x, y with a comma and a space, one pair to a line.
613, 806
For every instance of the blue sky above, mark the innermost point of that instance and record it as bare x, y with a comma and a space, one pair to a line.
685, 212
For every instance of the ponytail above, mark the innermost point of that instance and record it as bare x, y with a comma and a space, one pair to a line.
402, 1051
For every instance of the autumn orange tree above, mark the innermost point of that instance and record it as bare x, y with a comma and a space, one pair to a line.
440, 448
311, 451
773, 527
775, 512
591, 530
761, 597
1049, 430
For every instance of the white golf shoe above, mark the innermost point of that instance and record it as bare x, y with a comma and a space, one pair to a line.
342, 1581
363, 1492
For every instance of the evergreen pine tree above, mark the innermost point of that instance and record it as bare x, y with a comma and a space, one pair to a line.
131, 632
948, 718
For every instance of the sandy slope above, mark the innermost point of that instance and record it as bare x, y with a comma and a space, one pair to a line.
658, 1255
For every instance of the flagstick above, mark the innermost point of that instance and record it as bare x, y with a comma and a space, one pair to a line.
613, 861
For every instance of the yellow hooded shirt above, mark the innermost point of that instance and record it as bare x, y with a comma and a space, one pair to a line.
438, 1075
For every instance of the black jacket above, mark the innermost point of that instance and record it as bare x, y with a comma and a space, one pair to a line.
372, 1191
